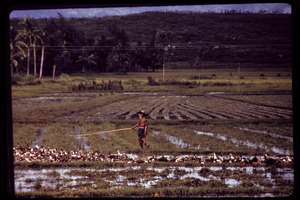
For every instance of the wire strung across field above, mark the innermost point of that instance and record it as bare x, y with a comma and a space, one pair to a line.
134, 48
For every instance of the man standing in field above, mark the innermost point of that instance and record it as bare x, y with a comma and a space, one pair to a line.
143, 128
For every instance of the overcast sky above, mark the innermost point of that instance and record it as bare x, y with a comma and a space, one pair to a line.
118, 11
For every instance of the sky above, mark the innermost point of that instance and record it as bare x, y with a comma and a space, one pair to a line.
119, 11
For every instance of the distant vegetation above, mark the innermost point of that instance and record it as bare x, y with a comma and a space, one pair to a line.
94, 86
142, 42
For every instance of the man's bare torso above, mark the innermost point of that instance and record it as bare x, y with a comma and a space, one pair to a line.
143, 122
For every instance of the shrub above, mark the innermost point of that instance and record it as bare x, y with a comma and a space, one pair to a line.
18, 79
196, 77
64, 76
217, 84
28, 78
34, 82
183, 83
151, 81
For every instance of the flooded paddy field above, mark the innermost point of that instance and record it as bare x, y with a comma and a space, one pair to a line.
174, 137
50, 172
246, 181
162, 106
167, 107
185, 132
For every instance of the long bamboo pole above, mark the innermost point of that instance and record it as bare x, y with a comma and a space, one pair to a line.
83, 135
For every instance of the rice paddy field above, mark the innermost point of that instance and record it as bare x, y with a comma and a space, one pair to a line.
191, 114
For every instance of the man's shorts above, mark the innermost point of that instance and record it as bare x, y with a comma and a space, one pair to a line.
141, 132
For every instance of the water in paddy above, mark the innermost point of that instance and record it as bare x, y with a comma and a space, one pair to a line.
27, 180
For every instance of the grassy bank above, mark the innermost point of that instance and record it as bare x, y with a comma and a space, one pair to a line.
177, 81
158, 192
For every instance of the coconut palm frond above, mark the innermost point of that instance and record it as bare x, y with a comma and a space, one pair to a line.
30, 35
15, 62
21, 43
93, 62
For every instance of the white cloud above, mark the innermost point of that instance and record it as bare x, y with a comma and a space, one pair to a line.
287, 10
71, 12
113, 11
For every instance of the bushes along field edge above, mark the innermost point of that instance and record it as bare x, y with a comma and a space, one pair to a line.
96, 86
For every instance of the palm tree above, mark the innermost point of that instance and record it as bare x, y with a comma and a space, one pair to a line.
86, 59
30, 35
16, 50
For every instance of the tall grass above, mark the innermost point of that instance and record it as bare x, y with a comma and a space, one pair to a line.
177, 81
21, 79
96, 86
149, 192
190, 84
174, 82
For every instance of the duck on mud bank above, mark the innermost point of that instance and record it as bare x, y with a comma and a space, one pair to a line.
43, 154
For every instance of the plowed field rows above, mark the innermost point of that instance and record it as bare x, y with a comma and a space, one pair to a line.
188, 107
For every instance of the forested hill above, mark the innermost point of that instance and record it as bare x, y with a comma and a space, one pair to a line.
217, 37
197, 28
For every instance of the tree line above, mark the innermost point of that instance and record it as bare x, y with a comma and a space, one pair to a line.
36, 50
142, 42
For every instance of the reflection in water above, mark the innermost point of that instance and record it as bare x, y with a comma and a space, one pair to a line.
81, 140
64, 178
246, 143
176, 141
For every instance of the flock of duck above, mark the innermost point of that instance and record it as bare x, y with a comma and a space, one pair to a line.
42, 154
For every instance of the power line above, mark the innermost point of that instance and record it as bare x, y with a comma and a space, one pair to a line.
168, 48
172, 48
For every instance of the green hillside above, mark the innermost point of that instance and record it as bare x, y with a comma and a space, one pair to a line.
199, 28
271, 34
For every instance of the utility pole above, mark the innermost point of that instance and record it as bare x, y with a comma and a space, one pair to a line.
164, 58
239, 76
42, 61
164, 63
160, 44
53, 76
